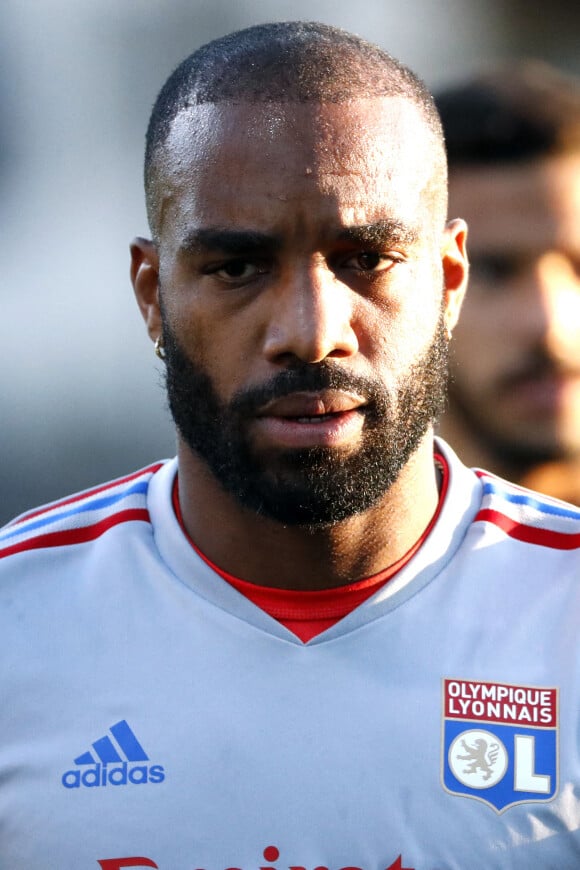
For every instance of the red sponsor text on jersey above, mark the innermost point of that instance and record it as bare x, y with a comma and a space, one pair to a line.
500, 702
271, 853
119, 863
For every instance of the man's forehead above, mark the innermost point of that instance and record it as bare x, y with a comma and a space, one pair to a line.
363, 121
369, 156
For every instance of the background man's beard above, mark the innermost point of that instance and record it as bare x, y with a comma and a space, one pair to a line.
311, 486
514, 452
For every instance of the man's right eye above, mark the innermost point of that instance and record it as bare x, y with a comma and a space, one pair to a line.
235, 271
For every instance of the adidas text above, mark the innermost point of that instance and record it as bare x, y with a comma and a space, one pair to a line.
101, 775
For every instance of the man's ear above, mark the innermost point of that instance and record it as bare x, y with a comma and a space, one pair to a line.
455, 270
145, 280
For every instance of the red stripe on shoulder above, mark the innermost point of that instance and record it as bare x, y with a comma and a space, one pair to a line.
88, 493
529, 534
77, 536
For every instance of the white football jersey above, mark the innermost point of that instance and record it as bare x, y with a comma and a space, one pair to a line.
152, 716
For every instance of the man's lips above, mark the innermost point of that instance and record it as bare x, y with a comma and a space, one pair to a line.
300, 420
305, 404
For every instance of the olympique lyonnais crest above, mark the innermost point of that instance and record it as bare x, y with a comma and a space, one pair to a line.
500, 742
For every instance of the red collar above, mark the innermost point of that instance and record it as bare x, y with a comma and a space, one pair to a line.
311, 612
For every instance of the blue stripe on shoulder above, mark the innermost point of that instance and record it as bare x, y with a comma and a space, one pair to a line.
92, 505
490, 488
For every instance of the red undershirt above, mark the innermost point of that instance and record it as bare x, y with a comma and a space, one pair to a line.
309, 613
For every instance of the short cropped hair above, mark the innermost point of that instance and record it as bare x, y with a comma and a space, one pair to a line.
510, 114
281, 62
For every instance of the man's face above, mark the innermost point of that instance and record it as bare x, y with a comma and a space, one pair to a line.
300, 277
516, 357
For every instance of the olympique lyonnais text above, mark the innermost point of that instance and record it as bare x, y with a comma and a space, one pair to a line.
498, 702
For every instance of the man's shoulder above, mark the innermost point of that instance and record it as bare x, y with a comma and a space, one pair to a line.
82, 517
526, 515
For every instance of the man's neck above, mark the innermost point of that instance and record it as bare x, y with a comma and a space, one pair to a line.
263, 551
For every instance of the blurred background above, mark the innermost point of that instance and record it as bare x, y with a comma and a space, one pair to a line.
81, 396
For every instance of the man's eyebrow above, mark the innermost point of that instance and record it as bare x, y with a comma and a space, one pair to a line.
204, 240
211, 239
385, 232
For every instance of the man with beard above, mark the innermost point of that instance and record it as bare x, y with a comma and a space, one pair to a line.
314, 639
513, 140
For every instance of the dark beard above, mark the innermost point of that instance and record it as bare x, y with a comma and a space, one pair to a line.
513, 453
312, 486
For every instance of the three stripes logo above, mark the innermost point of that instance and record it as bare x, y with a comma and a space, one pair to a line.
115, 760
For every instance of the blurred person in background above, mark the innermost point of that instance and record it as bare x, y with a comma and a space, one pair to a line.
513, 142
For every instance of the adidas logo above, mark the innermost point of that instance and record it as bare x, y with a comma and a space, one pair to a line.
117, 761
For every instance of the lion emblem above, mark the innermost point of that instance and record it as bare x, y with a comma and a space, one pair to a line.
478, 758
482, 755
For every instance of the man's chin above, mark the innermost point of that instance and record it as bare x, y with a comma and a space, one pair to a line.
493, 426
537, 436
301, 464
303, 509
305, 488
527, 447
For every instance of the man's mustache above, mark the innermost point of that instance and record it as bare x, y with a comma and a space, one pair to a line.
307, 378
539, 365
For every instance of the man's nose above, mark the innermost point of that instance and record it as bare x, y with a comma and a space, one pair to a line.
555, 313
312, 317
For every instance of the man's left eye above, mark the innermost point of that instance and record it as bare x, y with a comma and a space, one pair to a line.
371, 261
